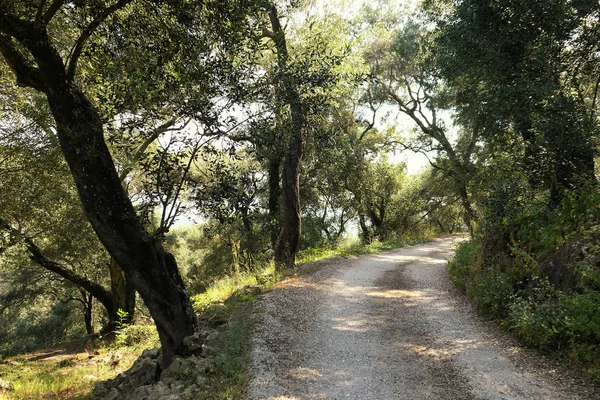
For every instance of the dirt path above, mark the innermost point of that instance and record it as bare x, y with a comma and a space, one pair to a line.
392, 326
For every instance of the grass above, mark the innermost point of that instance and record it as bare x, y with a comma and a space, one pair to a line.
225, 287
229, 379
353, 247
70, 376
69, 370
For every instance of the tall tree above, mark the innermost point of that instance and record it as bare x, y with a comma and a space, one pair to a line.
301, 76
40, 58
511, 65
40, 208
289, 237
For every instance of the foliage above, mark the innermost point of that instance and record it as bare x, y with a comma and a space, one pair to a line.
136, 337
39, 327
527, 303
223, 288
523, 51
214, 110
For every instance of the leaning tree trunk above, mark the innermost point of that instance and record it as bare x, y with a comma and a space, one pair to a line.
366, 236
152, 270
461, 178
468, 212
289, 237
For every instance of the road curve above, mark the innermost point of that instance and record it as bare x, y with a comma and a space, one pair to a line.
389, 326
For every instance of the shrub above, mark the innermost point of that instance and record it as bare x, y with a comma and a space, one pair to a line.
582, 317
461, 265
540, 324
36, 329
142, 336
528, 304
492, 293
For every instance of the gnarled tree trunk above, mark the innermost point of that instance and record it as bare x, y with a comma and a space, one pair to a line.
152, 270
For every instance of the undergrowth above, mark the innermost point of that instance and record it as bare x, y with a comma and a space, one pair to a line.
353, 247
542, 283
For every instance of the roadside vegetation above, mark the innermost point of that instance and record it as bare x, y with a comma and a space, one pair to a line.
539, 277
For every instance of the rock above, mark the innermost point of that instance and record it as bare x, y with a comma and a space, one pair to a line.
173, 372
180, 380
214, 335
177, 387
100, 389
179, 369
193, 343
171, 397
201, 380
142, 372
142, 393
113, 394
209, 350
151, 353
151, 392
205, 364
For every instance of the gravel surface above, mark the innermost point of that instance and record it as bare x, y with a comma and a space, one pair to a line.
392, 326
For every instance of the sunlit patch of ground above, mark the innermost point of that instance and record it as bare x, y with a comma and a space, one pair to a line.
67, 371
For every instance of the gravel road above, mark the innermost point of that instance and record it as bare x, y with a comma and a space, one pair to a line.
392, 326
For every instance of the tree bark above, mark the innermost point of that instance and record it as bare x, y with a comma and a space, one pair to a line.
468, 212
289, 237
87, 312
123, 294
274, 198
365, 232
152, 270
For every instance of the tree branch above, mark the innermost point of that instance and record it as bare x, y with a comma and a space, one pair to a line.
40, 10
37, 256
278, 35
26, 74
142, 149
268, 34
12, 25
87, 32
419, 150
51, 12
371, 124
